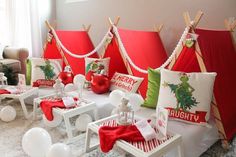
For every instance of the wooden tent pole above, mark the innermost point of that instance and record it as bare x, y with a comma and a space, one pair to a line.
198, 53
203, 68
198, 18
230, 27
187, 21
117, 20
122, 55
48, 25
46, 43
158, 28
111, 23
87, 29
187, 18
233, 25
58, 47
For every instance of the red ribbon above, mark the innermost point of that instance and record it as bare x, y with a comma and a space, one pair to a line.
43, 82
197, 117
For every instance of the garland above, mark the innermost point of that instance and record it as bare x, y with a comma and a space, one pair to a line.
108, 36
167, 62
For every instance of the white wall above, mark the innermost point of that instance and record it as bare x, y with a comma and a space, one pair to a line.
143, 14
47, 11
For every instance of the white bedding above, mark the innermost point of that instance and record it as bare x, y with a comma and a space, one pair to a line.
196, 139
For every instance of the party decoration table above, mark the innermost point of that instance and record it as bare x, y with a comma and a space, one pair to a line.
24, 93
83, 107
152, 148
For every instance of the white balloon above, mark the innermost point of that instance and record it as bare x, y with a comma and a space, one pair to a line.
57, 119
82, 122
70, 87
7, 114
36, 142
135, 100
79, 79
115, 97
59, 150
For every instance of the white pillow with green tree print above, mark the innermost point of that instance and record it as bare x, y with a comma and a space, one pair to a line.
44, 71
96, 66
187, 96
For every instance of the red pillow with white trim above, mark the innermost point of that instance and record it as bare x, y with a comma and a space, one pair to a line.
187, 96
126, 83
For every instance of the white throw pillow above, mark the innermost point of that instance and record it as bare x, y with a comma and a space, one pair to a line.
44, 71
187, 96
96, 66
126, 83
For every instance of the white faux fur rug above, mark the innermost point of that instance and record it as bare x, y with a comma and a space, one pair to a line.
11, 135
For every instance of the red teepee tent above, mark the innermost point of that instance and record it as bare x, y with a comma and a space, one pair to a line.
214, 52
77, 42
144, 49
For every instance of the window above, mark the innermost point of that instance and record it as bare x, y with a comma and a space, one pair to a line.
15, 28
73, 1
4, 26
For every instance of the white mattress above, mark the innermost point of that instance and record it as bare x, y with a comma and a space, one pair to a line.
196, 139
102, 102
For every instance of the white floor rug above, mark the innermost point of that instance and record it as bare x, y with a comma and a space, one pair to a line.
12, 133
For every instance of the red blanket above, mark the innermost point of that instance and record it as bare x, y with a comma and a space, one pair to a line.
4, 91
108, 135
48, 105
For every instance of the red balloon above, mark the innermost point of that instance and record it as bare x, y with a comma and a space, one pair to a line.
100, 84
66, 77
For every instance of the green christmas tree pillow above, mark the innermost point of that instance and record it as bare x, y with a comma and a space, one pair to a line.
152, 94
96, 66
43, 72
187, 96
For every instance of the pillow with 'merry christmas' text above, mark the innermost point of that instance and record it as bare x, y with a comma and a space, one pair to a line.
126, 83
187, 96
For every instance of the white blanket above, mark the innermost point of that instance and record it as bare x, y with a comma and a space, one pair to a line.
196, 139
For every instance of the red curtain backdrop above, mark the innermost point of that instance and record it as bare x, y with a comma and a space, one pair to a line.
78, 42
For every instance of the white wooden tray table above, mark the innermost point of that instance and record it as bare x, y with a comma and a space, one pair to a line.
25, 93
86, 106
152, 148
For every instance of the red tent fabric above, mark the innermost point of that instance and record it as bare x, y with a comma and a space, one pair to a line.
116, 61
78, 42
187, 61
219, 56
144, 48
